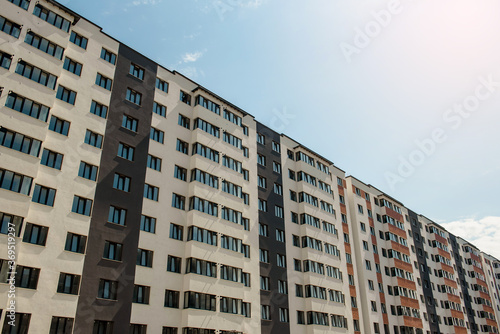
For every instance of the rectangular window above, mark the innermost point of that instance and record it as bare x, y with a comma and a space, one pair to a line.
5, 60
230, 139
72, 66
156, 135
82, 205
107, 289
26, 277
141, 294
154, 163
148, 224
125, 151
66, 95
108, 56
103, 81
136, 71
78, 40
278, 211
43, 195
144, 258
68, 283
36, 74
231, 117
264, 255
182, 146
98, 109
112, 251
93, 139
87, 171
265, 312
51, 17
44, 45
121, 182
262, 205
159, 109
129, 123
174, 264
232, 164
261, 139
276, 147
202, 235
19, 142
10, 222
162, 85
202, 301
262, 182
263, 230
178, 201
171, 299
75, 243
35, 234
10, 27
151, 192
205, 152
180, 173
24, 4
102, 327
176, 232
276, 167
281, 260
261, 160
185, 97
61, 325
202, 205
117, 215
59, 125
184, 121
133, 96
206, 103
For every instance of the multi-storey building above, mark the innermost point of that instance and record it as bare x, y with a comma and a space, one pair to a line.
134, 200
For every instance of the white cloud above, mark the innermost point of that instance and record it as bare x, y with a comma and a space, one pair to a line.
145, 2
483, 233
191, 72
191, 57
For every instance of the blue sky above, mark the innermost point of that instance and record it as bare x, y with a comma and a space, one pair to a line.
404, 93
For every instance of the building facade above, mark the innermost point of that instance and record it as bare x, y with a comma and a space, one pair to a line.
133, 200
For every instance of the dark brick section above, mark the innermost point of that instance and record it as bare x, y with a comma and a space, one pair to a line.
272, 298
422, 262
465, 291
90, 307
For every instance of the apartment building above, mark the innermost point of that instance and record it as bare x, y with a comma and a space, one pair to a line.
133, 200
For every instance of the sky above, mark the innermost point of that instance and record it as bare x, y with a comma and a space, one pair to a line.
401, 94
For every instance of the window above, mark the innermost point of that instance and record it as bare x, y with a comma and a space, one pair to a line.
148, 224
51, 159
182, 146
59, 125
261, 139
276, 167
276, 147
185, 97
144, 258
61, 325
27, 107
230, 139
133, 96
365, 245
174, 264
98, 109
162, 85
107, 289
78, 40
278, 211
178, 201
184, 121
263, 230
24, 4
121, 182
264, 255
10, 224
136, 71
261, 160
156, 135
161, 110
363, 227
108, 56
43, 195
283, 313
282, 287
205, 178
10, 27
15, 182
103, 327
5, 60
176, 231
231, 117
373, 306
130, 123
205, 152
370, 285
262, 205
280, 235
201, 301
207, 127
202, 235
68, 283
112, 251
35, 234
103, 81
264, 283
44, 45
66, 95
265, 312
117, 215
141, 294
154, 163
206, 103
281, 260
93, 139
180, 173
171, 299
82, 206
51, 17
202, 205
27, 277
125, 151
75, 243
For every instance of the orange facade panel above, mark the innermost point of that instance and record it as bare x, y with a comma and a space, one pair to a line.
413, 322
404, 283
397, 231
459, 330
413, 303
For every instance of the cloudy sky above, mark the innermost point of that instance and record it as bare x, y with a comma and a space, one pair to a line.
406, 94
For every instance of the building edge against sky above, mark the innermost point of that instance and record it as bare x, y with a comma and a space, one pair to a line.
142, 202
